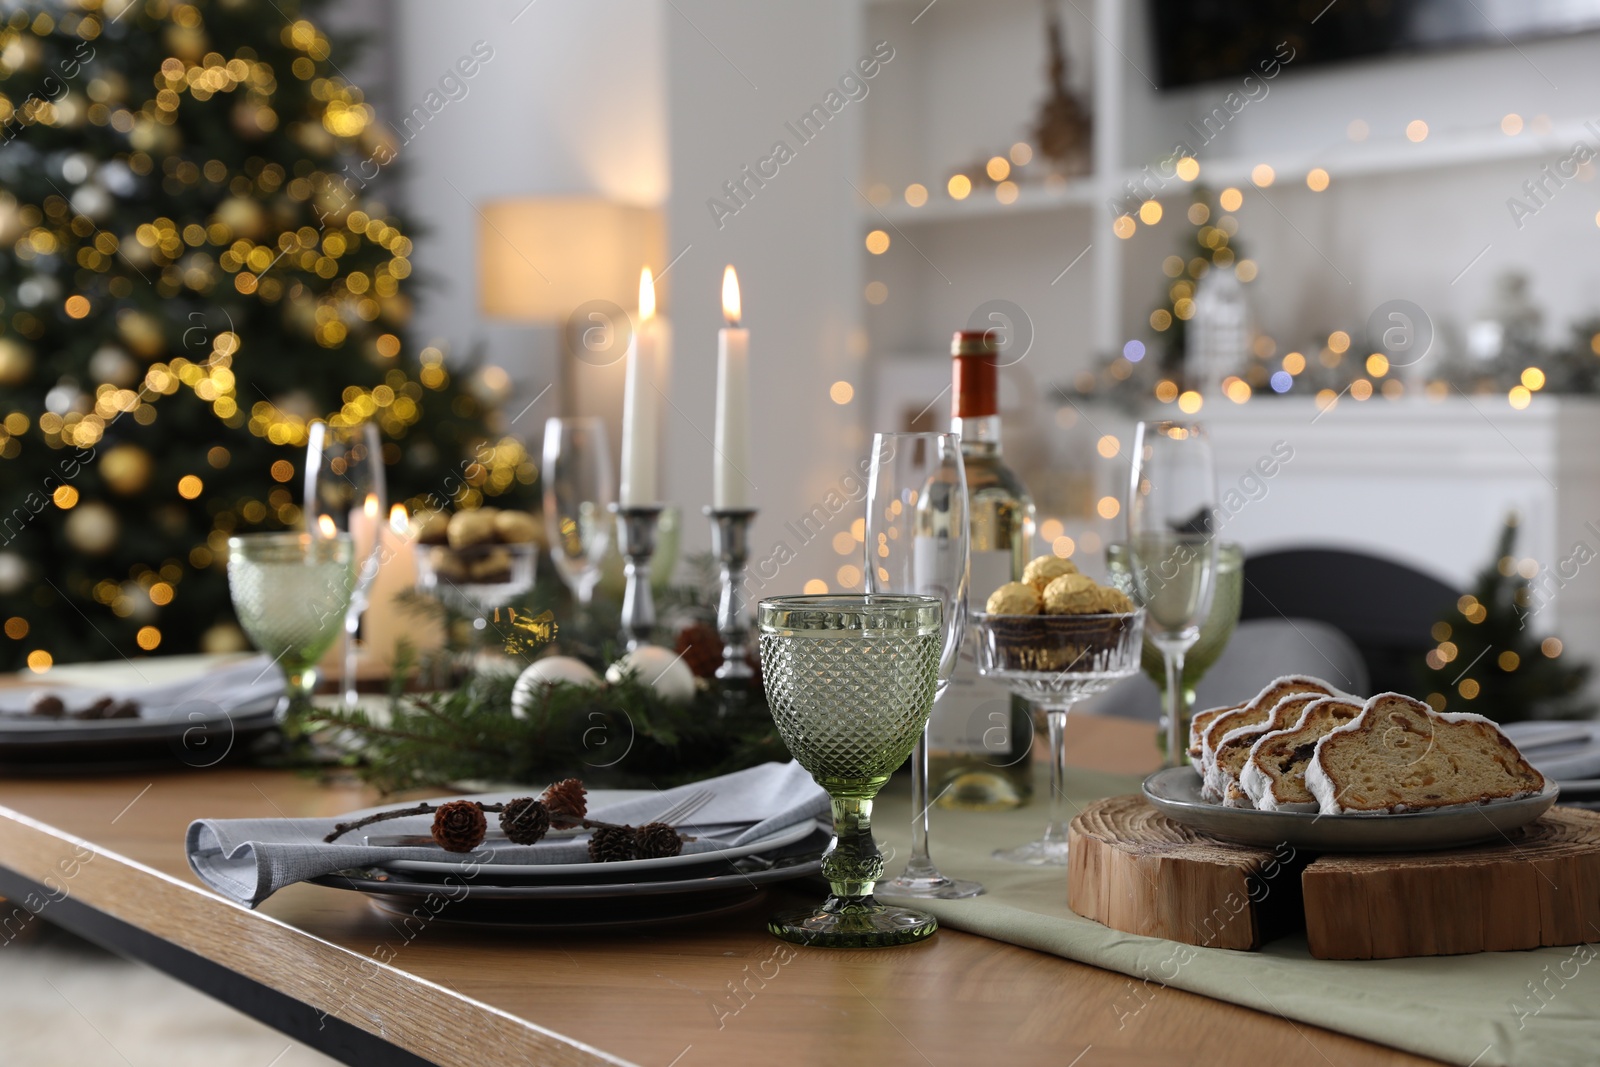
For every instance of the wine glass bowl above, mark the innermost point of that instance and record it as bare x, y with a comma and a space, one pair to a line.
1055, 661
1172, 548
290, 592
1216, 630
578, 493
850, 680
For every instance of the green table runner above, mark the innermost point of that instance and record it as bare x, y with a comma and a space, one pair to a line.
1486, 1010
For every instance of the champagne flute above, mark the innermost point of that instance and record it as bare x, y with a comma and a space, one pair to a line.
290, 591
345, 494
578, 492
1172, 548
850, 682
917, 537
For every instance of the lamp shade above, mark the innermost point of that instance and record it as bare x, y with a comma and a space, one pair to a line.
540, 258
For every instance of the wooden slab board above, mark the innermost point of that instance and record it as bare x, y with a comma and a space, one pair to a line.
1135, 870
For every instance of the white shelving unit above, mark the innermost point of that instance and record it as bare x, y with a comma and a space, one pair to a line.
967, 80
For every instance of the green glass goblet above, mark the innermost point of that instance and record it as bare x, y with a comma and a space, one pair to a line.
291, 591
850, 681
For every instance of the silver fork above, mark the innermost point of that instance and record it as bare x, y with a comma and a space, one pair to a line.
686, 807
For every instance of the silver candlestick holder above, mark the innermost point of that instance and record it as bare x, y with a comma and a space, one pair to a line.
730, 540
636, 540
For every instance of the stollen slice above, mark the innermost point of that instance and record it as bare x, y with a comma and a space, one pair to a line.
1234, 750
1198, 724
1274, 775
1400, 755
1254, 712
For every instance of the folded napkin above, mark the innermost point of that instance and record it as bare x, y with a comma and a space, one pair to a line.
247, 684
247, 860
1560, 750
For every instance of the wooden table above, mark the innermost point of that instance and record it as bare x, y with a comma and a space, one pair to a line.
104, 857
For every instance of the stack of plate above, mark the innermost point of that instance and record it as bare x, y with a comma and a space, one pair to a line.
571, 897
1568, 753
193, 711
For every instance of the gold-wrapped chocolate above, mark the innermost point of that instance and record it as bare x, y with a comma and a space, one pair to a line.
1042, 570
1071, 594
1014, 598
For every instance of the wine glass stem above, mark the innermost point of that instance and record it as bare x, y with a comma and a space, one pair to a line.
853, 865
920, 864
1177, 740
1056, 720
352, 626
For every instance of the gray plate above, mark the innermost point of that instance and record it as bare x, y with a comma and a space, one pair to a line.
1175, 792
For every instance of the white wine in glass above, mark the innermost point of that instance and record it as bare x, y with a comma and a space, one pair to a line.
1172, 547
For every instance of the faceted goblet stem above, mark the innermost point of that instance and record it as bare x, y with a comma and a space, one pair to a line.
853, 864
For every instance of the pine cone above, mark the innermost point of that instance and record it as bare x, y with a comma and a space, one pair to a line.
525, 820
611, 843
564, 800
701, 648
459, 826
655, 840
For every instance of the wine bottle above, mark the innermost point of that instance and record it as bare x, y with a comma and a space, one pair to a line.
980, 736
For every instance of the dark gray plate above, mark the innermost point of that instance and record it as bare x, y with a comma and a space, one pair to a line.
1175, 792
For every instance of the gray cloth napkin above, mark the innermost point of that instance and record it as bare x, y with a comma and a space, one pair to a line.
247, 860
250, 684
1563, 751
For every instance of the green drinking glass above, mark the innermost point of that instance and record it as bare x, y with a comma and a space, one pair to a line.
1215, 631
850, 682
291, 591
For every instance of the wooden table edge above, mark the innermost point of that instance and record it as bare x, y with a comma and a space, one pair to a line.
197, 937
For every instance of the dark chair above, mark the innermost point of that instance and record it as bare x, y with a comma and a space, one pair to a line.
1386, 608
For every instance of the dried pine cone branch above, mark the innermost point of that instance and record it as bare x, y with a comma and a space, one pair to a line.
459, 826
565, 800
611, 843
656, 840
525, 820
342, 828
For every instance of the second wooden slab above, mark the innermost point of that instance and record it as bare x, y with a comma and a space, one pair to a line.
1135, 870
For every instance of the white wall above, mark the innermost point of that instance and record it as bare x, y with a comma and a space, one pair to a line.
572, 102
736, 74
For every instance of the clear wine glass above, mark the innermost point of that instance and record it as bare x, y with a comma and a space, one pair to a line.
290, 591
578, 492
345, 494
1215, 632
1172, 548
850, 682
917, 541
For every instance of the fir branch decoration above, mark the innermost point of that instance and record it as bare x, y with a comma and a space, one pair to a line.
619, 735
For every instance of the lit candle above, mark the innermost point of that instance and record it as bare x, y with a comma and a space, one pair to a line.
730, 488
386, 622
639, 405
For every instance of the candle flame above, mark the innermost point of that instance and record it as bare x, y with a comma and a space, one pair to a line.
326, 527
647, 296
730, 296
399, 520
370, 506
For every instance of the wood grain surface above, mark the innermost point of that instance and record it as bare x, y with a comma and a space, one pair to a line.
1133, 869
716, 992
1541, 886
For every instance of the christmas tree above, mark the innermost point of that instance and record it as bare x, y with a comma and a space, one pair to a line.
1489, 660
194, 264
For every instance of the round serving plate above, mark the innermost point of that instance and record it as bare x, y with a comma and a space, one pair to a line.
637, 869
1175, 792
